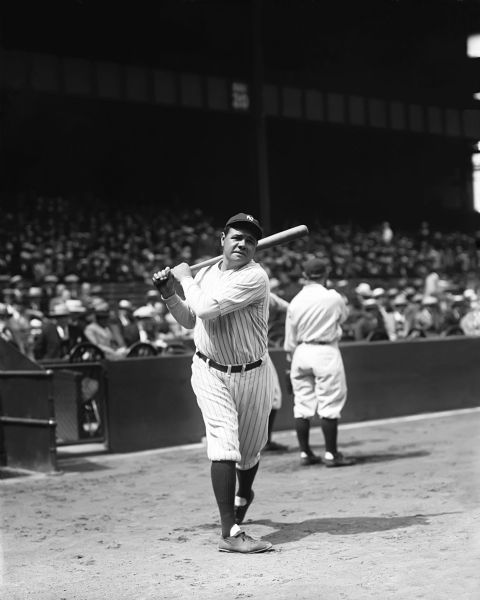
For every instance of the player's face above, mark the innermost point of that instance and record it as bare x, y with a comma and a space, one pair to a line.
239, 247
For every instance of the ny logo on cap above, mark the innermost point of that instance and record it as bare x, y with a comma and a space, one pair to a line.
249, 217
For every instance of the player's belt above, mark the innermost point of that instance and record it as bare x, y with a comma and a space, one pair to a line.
315, 342
229, 368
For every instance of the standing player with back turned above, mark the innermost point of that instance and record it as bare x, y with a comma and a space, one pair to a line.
312, 332
227, 305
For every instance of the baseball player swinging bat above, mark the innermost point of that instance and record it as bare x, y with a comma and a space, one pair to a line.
232, 382
282, 237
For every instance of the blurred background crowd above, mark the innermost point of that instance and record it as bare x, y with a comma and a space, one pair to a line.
76, 273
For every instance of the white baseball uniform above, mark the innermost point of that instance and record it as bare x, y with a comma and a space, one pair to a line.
312, 332
229, 313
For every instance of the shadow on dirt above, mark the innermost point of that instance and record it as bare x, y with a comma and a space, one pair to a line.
81, 466
290, 460
388, 456
292, 532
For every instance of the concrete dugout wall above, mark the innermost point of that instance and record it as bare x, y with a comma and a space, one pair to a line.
151, 403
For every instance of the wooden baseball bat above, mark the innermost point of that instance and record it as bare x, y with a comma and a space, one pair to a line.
282, 237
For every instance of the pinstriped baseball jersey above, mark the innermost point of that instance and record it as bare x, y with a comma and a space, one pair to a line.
239, 334
231, 328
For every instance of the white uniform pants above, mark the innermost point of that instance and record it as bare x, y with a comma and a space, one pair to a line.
318, 381
235, 409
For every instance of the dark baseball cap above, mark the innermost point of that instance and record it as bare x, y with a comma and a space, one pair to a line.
314, 268
244, 219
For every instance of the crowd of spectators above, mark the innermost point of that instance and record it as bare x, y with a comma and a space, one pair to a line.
55, 254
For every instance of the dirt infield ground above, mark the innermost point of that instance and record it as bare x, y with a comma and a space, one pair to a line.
404, 523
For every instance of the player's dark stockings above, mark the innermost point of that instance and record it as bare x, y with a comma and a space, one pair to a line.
223, 482
245, 482
271, 420
330, 430
302, 427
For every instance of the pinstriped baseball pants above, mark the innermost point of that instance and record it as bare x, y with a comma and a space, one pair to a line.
235, 410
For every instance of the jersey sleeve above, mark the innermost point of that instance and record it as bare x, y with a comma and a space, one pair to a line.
241, 288
342, 307
290, 342
181, 312
247, 286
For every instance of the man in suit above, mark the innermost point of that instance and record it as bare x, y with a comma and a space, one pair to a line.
54, 339
127, 324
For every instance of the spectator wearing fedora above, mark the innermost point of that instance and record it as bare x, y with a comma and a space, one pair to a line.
60, 295
78, 322
456, 310
370, 326
399, 305
126, 322
34, 299
355, 303
100, 333
53, 342
412, 310
148, 328
429, 318
160, 315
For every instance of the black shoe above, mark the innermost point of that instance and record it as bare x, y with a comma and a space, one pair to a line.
338, 461
243, 543
241, 511
311, 459
274, 447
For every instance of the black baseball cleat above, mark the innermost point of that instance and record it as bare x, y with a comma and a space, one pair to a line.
243, 543
311, 459
274, 447
241, 511
338, 461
